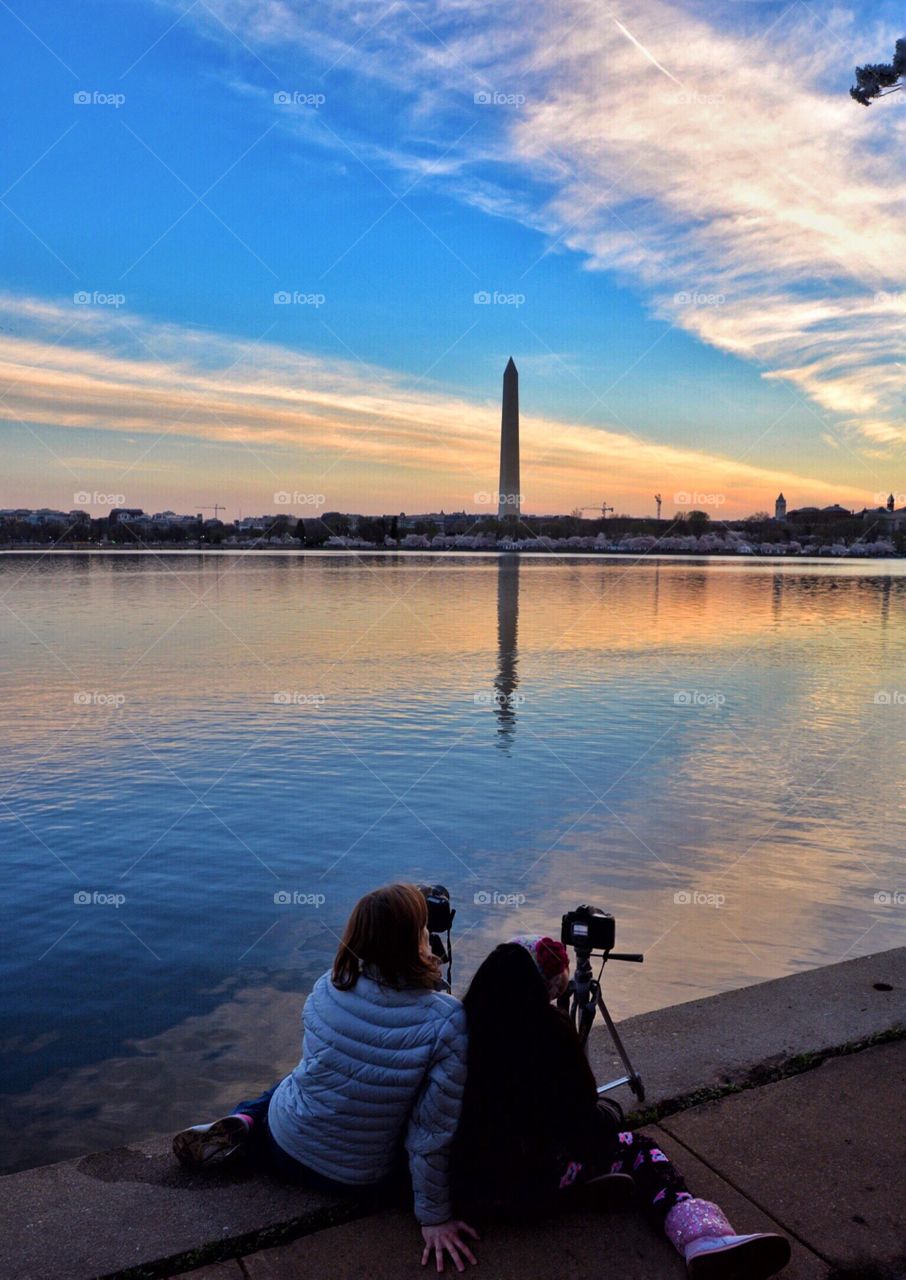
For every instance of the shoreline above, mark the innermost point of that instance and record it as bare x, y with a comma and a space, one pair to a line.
692, 557
68, 1218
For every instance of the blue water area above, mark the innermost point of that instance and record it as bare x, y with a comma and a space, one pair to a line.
209, 758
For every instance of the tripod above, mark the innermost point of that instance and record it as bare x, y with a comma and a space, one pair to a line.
582, 1000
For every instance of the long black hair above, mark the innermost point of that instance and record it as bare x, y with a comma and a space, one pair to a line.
506, 1004
529, 1094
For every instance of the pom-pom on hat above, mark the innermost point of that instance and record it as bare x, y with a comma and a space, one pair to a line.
550, 956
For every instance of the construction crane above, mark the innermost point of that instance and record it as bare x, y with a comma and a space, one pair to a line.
216, 507
604, 508
657, 498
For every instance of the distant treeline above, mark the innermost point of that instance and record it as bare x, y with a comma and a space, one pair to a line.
818, 529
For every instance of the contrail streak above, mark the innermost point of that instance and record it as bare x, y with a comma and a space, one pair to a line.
650, 56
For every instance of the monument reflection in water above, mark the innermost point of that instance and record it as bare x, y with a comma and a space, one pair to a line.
711, 750
507, 680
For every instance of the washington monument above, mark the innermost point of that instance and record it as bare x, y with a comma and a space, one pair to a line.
508, 493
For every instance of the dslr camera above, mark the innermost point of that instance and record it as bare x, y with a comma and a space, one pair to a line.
440, 913
440, 920
588, 929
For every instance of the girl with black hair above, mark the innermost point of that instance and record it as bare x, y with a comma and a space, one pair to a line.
534, 1133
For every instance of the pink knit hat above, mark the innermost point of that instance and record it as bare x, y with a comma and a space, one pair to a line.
550, 956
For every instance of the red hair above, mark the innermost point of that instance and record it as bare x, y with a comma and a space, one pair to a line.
385, 938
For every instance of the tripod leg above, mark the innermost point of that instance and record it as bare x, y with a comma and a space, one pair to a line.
586, 1018
634, 1079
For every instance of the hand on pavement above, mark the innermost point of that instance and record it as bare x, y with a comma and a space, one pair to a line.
448, 1237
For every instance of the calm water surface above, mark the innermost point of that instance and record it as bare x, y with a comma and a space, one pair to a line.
221, 753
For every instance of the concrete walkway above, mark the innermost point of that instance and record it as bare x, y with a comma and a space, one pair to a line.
819, 1157
814, 1149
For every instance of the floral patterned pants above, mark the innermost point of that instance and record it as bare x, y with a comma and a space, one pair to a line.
659, 1184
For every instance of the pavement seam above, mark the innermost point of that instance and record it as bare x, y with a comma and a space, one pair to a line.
756, 1204
236, 1248
332, 1216
760, 1075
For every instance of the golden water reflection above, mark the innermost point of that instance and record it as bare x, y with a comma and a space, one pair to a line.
652, 736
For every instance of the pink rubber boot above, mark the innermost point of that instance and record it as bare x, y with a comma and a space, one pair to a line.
699, 1231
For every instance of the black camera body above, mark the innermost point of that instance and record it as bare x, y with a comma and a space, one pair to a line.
440, 920
440, 913
588, 929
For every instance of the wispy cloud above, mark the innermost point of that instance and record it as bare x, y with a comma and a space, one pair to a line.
77, 368
671, 147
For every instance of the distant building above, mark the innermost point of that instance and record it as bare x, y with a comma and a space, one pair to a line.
125, 514
780, 507
887, 519
833, 512
249, 523
45, 515
169, 519
445, 520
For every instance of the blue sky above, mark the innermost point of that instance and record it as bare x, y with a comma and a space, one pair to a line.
693, 241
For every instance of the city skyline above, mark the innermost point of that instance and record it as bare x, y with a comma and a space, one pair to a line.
690, 309
291, 505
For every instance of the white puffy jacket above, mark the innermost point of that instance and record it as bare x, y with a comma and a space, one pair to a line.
380, 1067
